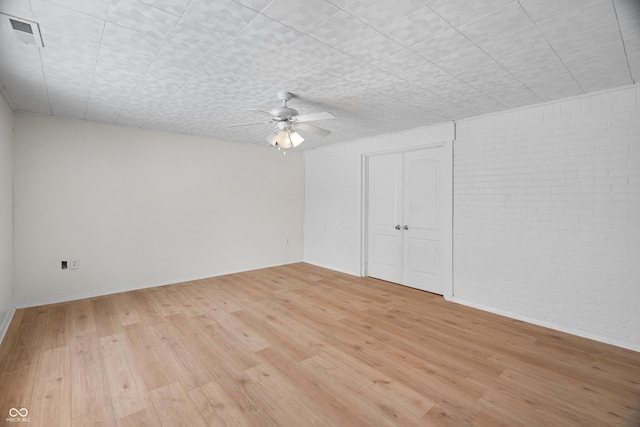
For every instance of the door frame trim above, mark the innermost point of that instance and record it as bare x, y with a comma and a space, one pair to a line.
447, 147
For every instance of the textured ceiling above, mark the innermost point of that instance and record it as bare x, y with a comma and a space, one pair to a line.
194, 66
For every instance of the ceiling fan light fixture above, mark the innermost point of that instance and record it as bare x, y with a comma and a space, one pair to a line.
273, 139
285, 139
295, 138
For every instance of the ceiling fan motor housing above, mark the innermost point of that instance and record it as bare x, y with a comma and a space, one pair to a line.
283, 112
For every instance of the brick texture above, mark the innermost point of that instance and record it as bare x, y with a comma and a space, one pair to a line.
547, 215
332, 194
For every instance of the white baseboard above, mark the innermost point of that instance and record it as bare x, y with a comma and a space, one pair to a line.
331, 267
99, 293
561, 328
84, 295
4, 326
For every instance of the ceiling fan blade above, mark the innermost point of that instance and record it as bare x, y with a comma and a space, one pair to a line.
259, 111
304, 127
247, 124
314, 116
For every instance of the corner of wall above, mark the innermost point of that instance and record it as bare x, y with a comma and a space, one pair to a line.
7, 222
4, 326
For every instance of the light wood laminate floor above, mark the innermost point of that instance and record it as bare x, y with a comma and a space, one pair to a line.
299, 345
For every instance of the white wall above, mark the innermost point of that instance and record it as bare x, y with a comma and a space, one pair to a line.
333, 194
6, 215
547, 215
141, 208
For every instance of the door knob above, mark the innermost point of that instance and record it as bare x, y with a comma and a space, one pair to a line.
406, 227
398, 227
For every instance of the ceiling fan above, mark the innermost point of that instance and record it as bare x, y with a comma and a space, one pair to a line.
288, 122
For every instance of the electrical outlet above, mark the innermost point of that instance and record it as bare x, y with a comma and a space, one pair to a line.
74, 264
63, 265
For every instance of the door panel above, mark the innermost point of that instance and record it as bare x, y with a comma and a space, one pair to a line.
421, 200
422, 197
385, 251
387, 180
423, 256
384, 210
405, 189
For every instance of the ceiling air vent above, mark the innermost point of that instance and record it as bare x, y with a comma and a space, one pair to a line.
24, 30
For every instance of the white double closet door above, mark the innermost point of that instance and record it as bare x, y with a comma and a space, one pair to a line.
405, 218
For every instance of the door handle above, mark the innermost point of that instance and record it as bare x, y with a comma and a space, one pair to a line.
398, 227
406, 227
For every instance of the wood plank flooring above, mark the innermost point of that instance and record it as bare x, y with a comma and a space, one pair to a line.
299, 345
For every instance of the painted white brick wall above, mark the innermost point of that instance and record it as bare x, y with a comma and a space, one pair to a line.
547, 215
332, 200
